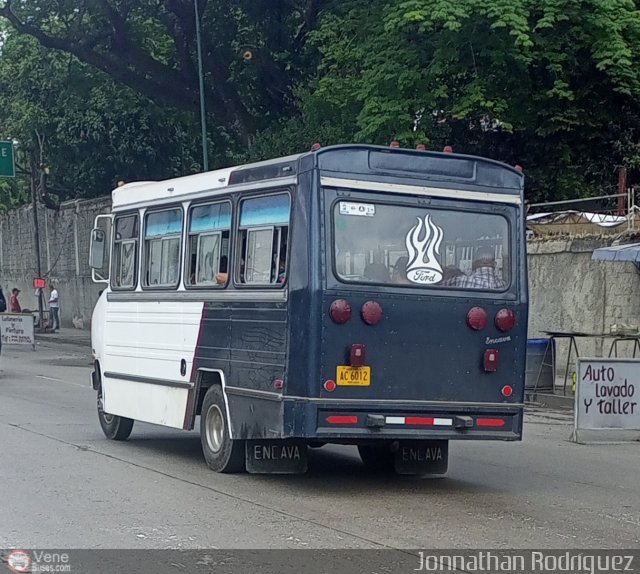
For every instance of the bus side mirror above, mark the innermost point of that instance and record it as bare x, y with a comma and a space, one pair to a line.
97, 249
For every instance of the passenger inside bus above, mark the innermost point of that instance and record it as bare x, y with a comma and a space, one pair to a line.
399, 270
377, 272
483, 272
451, 275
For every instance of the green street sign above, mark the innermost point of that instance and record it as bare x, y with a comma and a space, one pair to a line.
7, 163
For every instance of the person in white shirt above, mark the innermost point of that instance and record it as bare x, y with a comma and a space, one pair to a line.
54, 308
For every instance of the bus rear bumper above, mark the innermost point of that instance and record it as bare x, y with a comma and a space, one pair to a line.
378, 423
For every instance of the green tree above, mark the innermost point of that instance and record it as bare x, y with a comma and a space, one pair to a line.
253, 50
550, 84
81, 128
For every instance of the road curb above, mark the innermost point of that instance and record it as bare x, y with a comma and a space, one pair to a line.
44, 338
549, 400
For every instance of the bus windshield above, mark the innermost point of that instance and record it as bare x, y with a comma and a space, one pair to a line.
420, 247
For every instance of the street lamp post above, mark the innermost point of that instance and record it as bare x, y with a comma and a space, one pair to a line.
203, 115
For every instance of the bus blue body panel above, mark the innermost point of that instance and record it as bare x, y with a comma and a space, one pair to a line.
428, 375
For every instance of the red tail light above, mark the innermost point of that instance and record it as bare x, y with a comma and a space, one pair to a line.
477, 318
505, 320
507, 391
340, 311
372, 313
491, 357
330, 386
357, 356
496, 423
342, 420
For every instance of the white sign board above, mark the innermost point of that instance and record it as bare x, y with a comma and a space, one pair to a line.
607, 395
17, 329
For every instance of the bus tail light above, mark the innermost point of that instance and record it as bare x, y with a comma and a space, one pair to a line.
340, 311
372, 313
357, 356
494, 423
330, 386
491, 360
507, 391
477, 318
342, 420
505, 320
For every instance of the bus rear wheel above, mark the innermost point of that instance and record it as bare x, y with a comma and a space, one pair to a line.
221, 453
113, 426
378, 458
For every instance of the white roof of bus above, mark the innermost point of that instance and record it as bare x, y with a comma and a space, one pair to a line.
142, 191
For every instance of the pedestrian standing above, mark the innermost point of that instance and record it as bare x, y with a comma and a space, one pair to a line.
14, 303
54, 307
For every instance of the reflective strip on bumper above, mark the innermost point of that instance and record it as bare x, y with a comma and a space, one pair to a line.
422, 421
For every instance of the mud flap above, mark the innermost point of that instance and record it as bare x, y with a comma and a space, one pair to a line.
276, 456
422, 457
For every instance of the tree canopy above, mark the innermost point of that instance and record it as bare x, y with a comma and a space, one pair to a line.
113, 85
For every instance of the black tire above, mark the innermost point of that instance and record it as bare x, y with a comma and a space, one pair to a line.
377, 458
113, 426
221, 453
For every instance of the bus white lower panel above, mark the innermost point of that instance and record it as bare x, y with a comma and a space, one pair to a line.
145, 402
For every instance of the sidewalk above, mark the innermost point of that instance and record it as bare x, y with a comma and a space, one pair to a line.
67, 335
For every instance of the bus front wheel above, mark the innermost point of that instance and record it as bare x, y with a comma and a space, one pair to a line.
221, 453
113, 427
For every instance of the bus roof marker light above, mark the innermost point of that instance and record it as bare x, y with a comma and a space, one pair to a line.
340, 311
315, 147
505, 320
278, 384
421, 147
447, 149
477, 318
518, 168
372, 313
395, 144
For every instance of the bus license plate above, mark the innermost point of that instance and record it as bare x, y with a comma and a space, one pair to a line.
353, 376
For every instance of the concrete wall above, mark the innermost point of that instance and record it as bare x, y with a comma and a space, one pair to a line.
569, 292
64, 252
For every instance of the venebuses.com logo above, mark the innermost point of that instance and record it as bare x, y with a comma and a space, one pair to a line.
19, 561
37, 561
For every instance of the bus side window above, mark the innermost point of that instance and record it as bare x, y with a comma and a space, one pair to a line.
209, 231
125, 252
263, 240
162, 241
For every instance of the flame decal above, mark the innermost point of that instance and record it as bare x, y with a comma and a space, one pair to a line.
424, 267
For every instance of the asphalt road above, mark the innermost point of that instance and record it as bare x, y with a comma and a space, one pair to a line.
62, 484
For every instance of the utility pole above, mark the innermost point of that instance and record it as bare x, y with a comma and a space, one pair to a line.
36, 234
203, 112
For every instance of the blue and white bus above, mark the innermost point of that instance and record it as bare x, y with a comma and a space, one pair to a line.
353, 294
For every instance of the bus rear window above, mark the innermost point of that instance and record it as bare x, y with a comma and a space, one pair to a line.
420, 247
